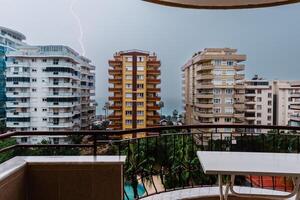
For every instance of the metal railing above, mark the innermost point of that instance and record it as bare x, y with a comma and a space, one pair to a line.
162, 159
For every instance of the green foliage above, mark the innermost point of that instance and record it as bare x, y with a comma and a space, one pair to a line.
9, 154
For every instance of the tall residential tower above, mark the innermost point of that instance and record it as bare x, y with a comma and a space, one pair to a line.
49, 88
10, 40
213, 87
135, 76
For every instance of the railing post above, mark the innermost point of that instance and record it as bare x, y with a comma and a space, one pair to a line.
94, 144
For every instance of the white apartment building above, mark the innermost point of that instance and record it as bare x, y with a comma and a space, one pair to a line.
259, 102
288, 102
49, 88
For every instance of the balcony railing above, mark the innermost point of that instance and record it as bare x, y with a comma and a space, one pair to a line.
166, 161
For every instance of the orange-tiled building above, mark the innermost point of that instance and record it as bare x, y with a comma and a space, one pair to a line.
134, 86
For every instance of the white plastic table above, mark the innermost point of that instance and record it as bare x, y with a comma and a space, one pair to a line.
258, 164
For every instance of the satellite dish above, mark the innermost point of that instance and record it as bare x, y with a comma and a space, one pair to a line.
222, 4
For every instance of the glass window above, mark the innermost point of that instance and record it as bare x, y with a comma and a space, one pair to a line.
228, 100
128, 68
140, 68
228, 91
217, 101
128, 95
229, 110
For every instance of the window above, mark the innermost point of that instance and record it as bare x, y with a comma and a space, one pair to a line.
269, 110
217, 91
269, 95
140, 59
218, 62
269, 103
44, 60
217, 119
128, 112
230, 82
140, 68
140, 104
24, 140
55, 61
217, 82
259, 99
55, 140
230, 72
228, 101
35, 109
259, 107
140, 95
140, 77
128, 68
33, 90
227, 130
44, 119
128, 58
217, 72
140, 113
33, 70
217, 110
33, 80
258, 122
128, 104
228, 119
258, 114
269, 118
44, 109
34, 129
140, 122
128, 86
217, 101
128, 77
33, 60
259, 91
229, 110
230, 63
228, 91
140, 86
128, 95
128, 122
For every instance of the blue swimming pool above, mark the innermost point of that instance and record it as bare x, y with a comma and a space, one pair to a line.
129, 191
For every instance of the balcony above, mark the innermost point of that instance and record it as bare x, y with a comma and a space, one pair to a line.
153, 99
115, 98
205, 96
10, 104
153, 72
18, 94
205, 105
115, 80
295, 107
153, 90
206, 67
18, 114
17, 84
153, 107
168, 159
115, 89
115, 117
153, 117
153, 63
115, 63
62, 104
205, 77
115, 107
153, 81
115, 71
240, 67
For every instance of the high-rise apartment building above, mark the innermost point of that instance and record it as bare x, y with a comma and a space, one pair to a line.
49, 88
259, 103
10, 40
134, 84
213, 87
288, 101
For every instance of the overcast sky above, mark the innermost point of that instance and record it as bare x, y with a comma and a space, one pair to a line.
270, 36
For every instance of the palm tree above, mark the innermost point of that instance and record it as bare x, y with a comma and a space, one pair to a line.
161, 104
106, 108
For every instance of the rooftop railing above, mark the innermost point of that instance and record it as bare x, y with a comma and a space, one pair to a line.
165, 160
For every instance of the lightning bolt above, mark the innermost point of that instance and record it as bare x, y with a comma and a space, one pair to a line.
78, 20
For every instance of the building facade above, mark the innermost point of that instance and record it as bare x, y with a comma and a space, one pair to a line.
213, 87
259, 102
134, 85
49, 88
10, 40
